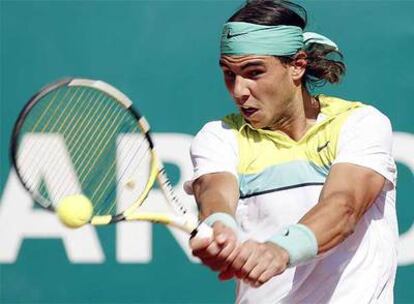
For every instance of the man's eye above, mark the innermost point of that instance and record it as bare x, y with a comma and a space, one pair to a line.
255, 73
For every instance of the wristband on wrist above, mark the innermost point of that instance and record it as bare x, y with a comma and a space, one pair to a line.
225, 218
299, 241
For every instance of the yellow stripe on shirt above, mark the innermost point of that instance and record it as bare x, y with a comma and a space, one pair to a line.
260, 149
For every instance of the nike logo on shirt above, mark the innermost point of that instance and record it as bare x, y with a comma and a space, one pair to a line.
319, 149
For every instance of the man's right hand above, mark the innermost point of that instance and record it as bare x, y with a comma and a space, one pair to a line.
217, 252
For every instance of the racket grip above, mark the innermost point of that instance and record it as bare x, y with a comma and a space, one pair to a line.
202, 231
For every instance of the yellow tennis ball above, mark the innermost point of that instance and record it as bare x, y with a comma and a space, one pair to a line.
74, 211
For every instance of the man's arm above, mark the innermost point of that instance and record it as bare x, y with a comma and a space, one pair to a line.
216, 192
347, 194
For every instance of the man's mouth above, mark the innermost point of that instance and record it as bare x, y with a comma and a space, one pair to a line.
248, 111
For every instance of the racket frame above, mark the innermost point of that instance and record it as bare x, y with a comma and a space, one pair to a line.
181, 219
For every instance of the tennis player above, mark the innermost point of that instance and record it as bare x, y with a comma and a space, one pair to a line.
299, 189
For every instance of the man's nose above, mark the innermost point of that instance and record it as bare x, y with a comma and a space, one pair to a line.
240, 90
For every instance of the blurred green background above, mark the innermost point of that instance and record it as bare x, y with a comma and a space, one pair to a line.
164, 56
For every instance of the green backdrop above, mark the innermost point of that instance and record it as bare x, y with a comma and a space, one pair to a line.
164, 55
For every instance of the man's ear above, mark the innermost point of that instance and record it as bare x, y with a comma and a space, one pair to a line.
299, 64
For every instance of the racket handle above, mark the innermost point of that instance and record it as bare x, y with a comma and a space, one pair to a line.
202, 231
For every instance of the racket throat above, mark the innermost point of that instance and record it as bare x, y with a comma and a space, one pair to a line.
169, 193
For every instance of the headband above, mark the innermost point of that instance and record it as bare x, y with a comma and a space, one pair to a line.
242, 38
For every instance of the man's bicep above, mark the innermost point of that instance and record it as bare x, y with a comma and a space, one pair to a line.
360, 185
348, 193
216, 192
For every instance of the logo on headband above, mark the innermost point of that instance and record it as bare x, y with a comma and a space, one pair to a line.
230, 35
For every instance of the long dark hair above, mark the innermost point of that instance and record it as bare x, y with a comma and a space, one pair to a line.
324, 63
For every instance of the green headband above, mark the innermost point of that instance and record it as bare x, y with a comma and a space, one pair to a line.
242, 38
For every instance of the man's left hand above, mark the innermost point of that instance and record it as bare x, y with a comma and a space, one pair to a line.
256, 263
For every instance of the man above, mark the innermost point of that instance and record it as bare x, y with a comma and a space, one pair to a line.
299, 189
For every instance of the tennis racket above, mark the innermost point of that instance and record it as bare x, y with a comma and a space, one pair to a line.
81, 136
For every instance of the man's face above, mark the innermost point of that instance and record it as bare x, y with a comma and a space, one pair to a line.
261, 86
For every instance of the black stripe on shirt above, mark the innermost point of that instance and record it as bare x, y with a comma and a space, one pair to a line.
281, 189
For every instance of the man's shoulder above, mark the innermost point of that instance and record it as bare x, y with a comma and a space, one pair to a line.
334, 106
214, 126
223, 129
368, 117
350, 109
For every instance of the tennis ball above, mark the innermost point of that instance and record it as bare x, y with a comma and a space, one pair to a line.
74, 211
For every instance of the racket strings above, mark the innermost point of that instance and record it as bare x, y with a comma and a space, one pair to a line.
24, 154
33, 165
99, 146
92, 164
46, 124
55, 128
81, 156
53, 99
73, 139
52, 125
67, 134
137, 168
99, 153
86, 127
130, 158
77, 117
63, 113
85, 159
73, 130
73, 110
